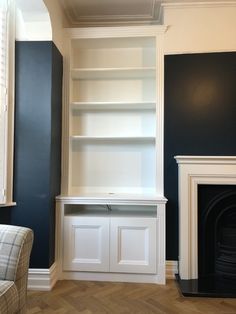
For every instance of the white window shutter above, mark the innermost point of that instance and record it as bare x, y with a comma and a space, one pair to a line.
3, 98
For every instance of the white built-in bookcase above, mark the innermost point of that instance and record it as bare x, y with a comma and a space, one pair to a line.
113, 141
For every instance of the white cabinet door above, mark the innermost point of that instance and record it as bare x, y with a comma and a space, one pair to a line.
86, 244
133, 245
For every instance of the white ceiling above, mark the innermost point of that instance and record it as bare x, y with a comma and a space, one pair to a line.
93, 12
116, 12
103, 12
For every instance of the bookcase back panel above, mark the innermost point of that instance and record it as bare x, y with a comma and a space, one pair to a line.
112, 167
114, 53
110, 210
139, 89
114, 58
113, 123
113, 42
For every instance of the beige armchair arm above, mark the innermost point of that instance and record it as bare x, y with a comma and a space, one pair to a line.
15, 248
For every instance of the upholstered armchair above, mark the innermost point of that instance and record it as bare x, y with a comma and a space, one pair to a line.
15, 248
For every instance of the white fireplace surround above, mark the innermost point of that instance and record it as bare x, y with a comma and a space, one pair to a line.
195, 170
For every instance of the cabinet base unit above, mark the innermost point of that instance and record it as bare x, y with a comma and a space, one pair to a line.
117, 240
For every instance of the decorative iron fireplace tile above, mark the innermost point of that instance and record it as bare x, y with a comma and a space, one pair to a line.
216, 242
217, 231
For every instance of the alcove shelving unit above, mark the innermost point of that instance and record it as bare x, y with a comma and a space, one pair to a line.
111, 214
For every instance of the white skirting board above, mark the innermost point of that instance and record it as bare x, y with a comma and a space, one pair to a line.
44, 279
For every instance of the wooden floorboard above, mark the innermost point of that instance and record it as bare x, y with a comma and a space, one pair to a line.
86, 297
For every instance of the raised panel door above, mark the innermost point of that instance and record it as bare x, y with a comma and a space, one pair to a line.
133, 245
86, 244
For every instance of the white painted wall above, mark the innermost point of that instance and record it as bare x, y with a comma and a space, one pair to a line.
58, 21
32, 21
200, 27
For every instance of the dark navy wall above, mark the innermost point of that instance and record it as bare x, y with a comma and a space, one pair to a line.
200, 119
200, 111
37, 144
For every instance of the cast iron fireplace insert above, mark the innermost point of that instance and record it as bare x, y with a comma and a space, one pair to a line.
216, 243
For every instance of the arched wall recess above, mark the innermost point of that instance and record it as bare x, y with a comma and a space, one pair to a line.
32, 21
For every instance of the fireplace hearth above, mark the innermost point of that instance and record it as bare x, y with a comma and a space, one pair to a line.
208, 286
207, 226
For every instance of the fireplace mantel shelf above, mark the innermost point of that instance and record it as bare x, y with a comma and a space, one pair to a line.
214, 160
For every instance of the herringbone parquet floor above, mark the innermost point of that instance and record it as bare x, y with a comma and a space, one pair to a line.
127, 298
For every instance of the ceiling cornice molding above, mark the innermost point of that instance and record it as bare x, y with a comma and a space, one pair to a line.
77, 16
113, 23
119, 20
117, 17
200, 4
